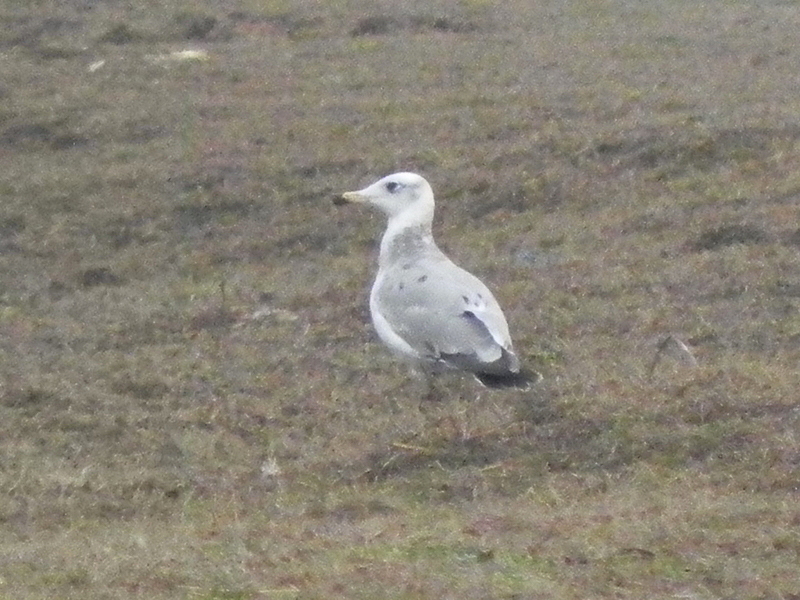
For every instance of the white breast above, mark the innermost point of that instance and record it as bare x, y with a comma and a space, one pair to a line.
388, 335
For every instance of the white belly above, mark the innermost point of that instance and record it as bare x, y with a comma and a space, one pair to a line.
388, 335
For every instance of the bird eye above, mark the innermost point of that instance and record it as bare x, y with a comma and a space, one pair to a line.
392, 186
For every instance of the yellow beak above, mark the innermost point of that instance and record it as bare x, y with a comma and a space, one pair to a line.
348, 197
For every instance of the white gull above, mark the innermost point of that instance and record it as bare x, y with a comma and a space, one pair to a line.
425, 308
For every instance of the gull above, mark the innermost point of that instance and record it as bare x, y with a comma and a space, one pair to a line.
427, 310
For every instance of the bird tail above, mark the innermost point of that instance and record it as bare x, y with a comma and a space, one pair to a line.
521, 380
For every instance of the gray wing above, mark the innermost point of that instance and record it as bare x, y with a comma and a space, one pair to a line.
446, 314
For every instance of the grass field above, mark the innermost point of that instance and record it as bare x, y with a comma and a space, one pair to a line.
193, 403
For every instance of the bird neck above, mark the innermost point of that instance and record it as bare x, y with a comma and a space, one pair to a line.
406, 239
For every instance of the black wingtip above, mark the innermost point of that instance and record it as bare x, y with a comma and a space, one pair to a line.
520, 381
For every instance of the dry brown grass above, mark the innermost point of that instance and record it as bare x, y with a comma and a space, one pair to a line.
192, 403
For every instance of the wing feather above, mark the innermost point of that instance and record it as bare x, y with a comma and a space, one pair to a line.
444, 313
